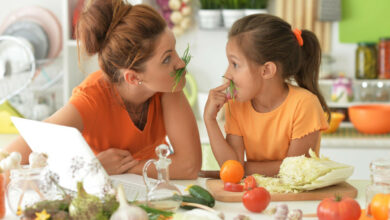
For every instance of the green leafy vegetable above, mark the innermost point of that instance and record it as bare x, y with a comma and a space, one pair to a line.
179, 73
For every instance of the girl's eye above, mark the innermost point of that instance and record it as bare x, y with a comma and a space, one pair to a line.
166, 60
235, 65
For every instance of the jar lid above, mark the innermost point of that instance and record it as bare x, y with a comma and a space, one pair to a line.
370, 44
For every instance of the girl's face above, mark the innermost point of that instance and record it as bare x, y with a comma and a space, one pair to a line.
242, 72
162, 66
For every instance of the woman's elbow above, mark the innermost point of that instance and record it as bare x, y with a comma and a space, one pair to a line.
189, 169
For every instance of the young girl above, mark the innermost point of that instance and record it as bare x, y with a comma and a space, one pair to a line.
269, 119
127, 108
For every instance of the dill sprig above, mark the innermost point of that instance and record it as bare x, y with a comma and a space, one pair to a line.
232, 89
179, 73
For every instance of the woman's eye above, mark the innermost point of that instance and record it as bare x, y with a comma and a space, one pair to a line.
166, 60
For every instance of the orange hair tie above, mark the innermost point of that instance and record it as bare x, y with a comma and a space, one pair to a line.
298, 35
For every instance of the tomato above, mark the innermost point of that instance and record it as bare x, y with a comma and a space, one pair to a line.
232, 171
250, 183
233, 187
338, 208
256, 200
380, 205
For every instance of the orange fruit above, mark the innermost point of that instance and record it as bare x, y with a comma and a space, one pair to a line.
231, 171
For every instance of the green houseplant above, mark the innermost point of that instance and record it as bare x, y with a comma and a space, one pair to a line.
210, 14
232, 11
256, 7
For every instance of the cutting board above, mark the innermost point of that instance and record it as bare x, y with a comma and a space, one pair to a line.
215, 186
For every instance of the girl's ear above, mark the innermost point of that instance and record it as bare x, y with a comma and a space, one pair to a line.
268, 70
131, 77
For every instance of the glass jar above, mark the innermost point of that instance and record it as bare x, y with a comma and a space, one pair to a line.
381, 92
366, 61
366, 92
384, 58
25, 188
380, 179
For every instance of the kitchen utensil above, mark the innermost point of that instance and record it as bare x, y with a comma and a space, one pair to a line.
32, 32
45, 19
336, 119
343, 189
17, 55
370, 119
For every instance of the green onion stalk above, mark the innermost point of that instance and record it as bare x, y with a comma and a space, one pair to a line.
179, 73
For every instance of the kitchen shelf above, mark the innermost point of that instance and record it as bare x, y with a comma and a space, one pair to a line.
355, 81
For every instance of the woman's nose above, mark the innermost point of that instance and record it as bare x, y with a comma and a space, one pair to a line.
181, 64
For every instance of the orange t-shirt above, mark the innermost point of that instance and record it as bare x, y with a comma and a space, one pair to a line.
107, 124
267, 136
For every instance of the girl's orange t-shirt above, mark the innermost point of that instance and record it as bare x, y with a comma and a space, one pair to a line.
107, 123
267, 136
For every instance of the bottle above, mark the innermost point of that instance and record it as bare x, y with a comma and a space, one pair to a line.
384, 58
366, 61
380, 179
161, 194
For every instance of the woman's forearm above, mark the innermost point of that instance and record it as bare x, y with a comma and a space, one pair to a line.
267, 168
220, 147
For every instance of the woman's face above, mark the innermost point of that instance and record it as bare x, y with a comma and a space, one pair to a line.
242, 72
162, 66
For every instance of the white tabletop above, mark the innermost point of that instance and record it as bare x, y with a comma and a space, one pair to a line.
231, 210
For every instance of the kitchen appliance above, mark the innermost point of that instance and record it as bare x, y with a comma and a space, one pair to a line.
30, 40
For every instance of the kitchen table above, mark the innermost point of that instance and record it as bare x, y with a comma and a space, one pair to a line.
231, 210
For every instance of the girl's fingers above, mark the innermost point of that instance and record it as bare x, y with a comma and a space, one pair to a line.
222, 87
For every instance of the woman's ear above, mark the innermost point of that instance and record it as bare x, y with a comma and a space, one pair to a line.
268, 70
131, 77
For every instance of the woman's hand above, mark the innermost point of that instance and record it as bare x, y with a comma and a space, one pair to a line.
217, 98
116, 161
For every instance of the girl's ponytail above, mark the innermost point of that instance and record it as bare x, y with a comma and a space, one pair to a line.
308, 75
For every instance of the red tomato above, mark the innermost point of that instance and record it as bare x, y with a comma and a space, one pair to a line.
338, 208
257, 199
250, 183
233, 187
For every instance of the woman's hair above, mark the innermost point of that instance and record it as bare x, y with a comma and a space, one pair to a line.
264, 38
122, 35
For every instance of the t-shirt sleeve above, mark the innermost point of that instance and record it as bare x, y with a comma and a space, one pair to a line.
85, 101
309, 117
231, 124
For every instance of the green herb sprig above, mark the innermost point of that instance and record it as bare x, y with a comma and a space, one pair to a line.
179, 73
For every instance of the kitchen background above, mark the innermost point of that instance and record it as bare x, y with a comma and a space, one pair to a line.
350, 32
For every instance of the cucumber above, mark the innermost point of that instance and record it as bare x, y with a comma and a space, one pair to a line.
192, 200
201, 193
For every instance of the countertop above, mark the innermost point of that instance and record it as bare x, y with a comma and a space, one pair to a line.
231, 210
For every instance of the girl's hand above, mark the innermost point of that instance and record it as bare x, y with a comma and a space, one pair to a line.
116, 161
217, 98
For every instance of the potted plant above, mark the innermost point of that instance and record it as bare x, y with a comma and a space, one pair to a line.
232, 11
256, 7
210, 15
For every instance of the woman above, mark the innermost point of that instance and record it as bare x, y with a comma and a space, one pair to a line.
128, 108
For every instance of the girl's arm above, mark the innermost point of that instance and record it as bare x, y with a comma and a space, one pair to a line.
233, 147
183, 134
297, 147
